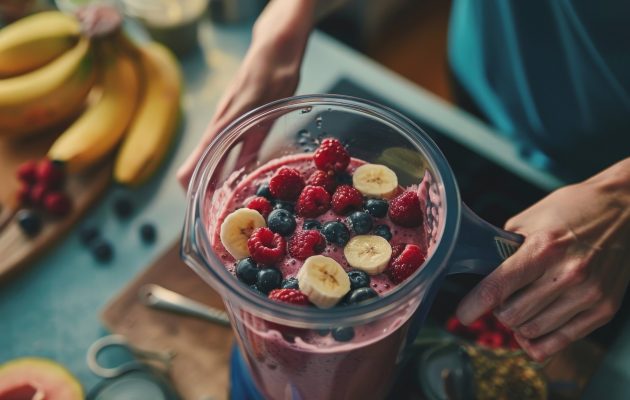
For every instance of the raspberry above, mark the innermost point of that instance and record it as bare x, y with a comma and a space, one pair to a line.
396, 250
404, 210
454, 326
292, 296
306, 243
491, 339
57, 203
406, 263
260, 204
38, 192
266, 247
345, 199
286, 184
27, 172
313, 201
323, 179
49, 174
476, 328
331, 156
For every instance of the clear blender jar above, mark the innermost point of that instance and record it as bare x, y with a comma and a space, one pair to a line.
307, 365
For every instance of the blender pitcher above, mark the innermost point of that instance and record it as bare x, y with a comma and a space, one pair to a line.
287, 352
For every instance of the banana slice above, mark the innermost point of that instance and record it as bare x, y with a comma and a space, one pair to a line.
375, 180
369, 253
323, 280
237, 228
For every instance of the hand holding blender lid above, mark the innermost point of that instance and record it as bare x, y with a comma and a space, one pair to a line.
457, 240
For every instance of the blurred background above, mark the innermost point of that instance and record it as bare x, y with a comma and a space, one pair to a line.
407, 36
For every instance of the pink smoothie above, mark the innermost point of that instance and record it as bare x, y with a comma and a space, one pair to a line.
305, 362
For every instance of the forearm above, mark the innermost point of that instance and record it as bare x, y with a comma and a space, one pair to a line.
614, 185
285, 24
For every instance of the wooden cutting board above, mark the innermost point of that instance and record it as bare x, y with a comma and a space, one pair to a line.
17, 249
201, 366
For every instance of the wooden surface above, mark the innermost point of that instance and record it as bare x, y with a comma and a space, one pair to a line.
200, 368
17, 249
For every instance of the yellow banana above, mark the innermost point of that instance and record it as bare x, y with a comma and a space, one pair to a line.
49, 95
34, 41
100, 128
154, 126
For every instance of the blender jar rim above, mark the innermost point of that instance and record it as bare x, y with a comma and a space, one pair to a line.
223, 281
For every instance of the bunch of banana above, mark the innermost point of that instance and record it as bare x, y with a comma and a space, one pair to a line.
138, 109
52, 71
123, 97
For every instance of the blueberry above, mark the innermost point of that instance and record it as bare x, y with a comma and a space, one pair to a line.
263, 191
376, 207
361, 294
29, 222
148, 233
284, 205
87, 234
336, 233
358, 279
268, 279
102, 250
255, 290
311, 224
360, 221
383, 231
344, 334
291, 283
322, 332
247, 270
281, 221
123, 208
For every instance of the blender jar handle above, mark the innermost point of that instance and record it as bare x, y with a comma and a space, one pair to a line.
481, 246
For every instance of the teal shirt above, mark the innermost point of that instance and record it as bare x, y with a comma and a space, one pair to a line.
554, 75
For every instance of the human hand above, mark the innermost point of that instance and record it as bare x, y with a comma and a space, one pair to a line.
571, 273
269, 71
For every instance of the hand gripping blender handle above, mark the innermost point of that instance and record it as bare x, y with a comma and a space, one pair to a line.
481, 247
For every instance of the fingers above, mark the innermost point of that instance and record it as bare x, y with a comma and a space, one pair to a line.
515, 273
578, 327
527, 303
555, 316
558, 277
600, 292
